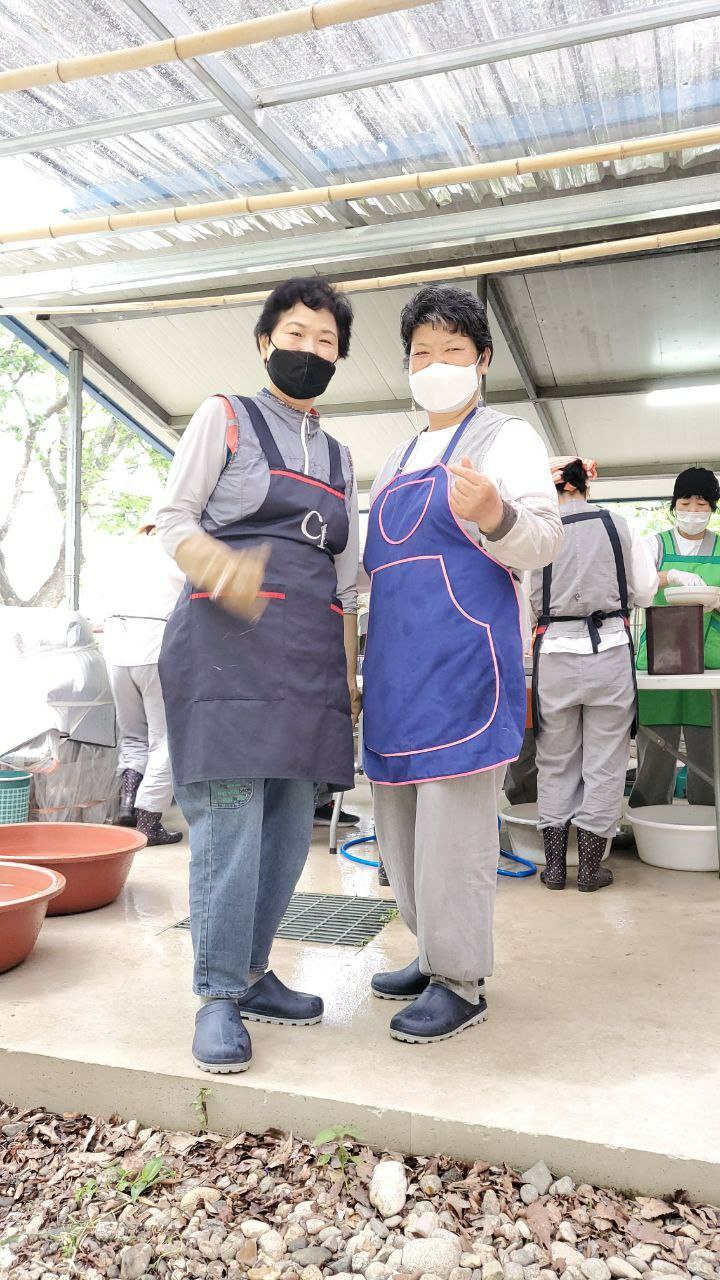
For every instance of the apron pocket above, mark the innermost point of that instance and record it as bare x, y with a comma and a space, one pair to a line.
431, 677
235, 659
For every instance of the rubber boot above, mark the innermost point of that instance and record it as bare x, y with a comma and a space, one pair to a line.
382, 875
129, 787
150, 825
591, 874
555, 840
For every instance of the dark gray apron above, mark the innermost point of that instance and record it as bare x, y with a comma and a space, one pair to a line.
267, 699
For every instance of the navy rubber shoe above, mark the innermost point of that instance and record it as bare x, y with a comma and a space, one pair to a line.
402, 984
438, 1014
269, 1000
221, 1043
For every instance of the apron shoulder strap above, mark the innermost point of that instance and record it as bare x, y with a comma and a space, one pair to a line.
265, 436
337, 476
614, 536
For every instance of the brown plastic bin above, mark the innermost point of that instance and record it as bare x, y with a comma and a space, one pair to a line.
25, 893
675, 640
95, 860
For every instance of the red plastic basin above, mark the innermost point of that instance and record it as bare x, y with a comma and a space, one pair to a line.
95, 860
25, 891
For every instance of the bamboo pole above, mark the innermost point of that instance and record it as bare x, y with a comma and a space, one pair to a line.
373, 187
432, 275
315, 17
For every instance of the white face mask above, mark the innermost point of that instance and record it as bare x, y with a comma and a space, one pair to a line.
691, 522
444, 387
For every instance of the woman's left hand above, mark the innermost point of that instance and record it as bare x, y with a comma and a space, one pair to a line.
475, 498
355, 703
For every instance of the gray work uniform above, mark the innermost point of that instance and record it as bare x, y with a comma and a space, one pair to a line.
586, 699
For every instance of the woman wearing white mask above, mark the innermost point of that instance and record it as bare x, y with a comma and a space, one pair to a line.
455, 515
686, 555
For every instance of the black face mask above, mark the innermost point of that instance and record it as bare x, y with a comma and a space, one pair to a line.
300, 374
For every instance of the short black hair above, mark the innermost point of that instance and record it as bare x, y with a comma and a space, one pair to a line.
318, 295
697, 482
457, 310
575, 474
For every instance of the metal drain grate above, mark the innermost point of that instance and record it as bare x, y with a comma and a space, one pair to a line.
332, 918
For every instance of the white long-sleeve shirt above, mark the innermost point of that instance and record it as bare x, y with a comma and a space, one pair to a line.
143, 597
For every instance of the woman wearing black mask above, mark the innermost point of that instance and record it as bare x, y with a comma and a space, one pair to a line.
259, 658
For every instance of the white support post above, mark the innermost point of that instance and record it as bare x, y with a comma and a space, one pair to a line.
73, 490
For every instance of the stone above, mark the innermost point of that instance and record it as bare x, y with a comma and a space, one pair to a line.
328, 1233
296, 1242
595, 1269
423, 1224
305, 1209
438, 1257
378, 1228
567, 1232
490, 1203
252, 1228
539, 1177
314, 1255
377, 1271
196, 1196
361, 1260
492, 1270
563, 1187
700, 1263
264, 1273
272, 1245
231, 1246
529, 1193
105, 1229
623, 1269
311, 1273
645, 1252
476, 1261
524, 1257
513, 1271
134, 1261
461, 1273
523, 1229
388, 1188
659, 1266
430, 1184
133, 1128
12, 1130
560, 1251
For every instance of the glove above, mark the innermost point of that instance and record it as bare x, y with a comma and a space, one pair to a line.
678, 578
232, 578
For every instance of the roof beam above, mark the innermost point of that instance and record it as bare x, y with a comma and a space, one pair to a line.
236, 101
516, 46
677, 197
116, 126
514, 342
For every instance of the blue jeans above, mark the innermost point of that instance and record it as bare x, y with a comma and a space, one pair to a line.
249, 840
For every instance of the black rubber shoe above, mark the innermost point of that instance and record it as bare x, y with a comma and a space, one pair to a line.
150, 825
438, 1014
591, 874
403, 984
129, 787
221, 1043
269, 1000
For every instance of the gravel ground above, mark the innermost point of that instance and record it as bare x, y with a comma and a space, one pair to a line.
94, 1199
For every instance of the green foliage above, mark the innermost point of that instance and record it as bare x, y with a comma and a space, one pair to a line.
85, 1193
152, 1173
339, 1153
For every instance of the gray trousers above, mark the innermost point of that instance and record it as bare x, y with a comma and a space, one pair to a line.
143, 733
439, 845
586, 713
655, 782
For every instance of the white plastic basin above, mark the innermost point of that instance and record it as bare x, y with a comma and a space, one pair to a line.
527, 841
679, 837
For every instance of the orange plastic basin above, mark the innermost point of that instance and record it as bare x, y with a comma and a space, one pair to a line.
95, 860
25, 892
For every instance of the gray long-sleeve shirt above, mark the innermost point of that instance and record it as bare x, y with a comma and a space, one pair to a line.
200, 459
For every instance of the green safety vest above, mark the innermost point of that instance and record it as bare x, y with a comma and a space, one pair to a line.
680, 706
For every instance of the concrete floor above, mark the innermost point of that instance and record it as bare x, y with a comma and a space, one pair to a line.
601, 1053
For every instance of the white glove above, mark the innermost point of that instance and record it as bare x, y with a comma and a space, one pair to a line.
678, 578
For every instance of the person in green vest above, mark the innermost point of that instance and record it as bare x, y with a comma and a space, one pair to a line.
686, 555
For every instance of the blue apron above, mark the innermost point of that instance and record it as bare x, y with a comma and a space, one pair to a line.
267, 699
444, 681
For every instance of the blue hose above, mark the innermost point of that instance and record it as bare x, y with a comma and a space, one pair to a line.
529, 868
